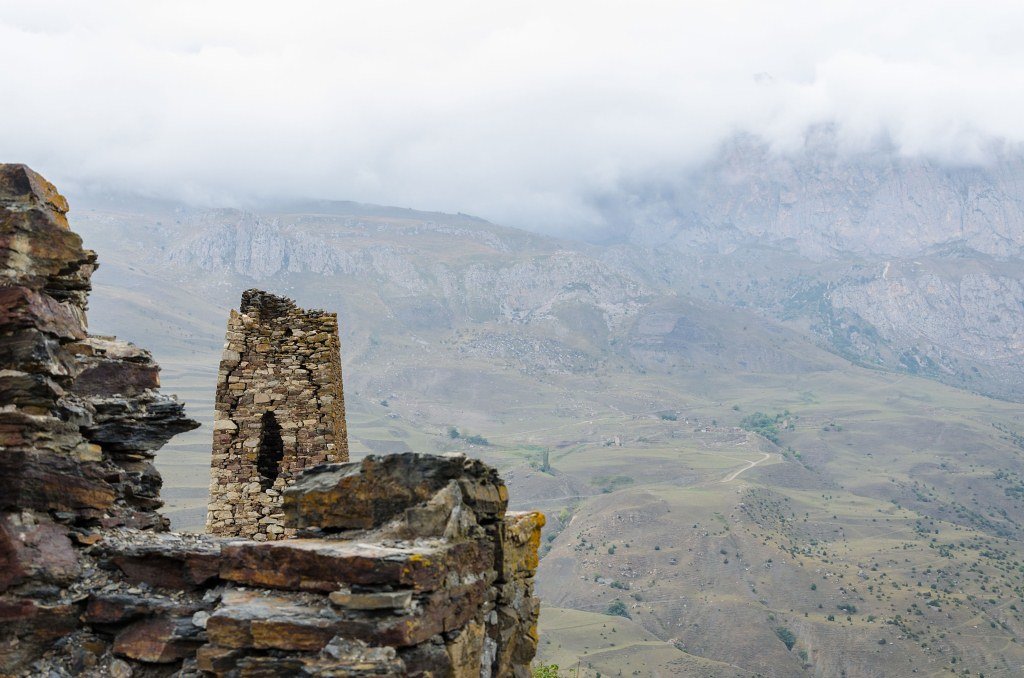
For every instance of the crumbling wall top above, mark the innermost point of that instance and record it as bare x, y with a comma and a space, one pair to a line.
266, 305
269, 306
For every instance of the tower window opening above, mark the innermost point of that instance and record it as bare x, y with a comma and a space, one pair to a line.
270, 452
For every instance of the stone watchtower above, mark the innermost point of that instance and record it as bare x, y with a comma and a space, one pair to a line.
279, 409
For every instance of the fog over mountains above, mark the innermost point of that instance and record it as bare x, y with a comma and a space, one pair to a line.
733, 292
899, 261
825, 203
523, 115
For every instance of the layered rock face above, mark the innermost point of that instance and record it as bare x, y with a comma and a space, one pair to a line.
80, 416
280, 409
402, 565
80, 420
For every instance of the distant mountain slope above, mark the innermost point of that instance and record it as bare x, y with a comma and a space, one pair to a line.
904, 263
824, 202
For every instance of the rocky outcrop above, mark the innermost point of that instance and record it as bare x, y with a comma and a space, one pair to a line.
80, 420
80, 416
403, 565
406, 565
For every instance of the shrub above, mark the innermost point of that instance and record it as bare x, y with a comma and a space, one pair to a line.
786, 636
618, 608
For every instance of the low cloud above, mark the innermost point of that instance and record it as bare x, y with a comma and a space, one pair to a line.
517, 112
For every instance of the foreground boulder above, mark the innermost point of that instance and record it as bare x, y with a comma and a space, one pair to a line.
413, 494
413, 552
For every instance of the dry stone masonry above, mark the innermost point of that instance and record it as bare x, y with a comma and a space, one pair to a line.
280, 409
404, 565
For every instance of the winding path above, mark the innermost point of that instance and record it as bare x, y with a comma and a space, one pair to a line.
750, 464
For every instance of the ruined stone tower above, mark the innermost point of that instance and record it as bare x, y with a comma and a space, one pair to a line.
279, 409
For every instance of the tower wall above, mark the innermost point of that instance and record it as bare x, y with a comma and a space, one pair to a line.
280, 409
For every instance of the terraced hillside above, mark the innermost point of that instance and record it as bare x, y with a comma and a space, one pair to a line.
725, 496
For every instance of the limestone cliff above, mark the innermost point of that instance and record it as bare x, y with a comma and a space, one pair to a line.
903, 262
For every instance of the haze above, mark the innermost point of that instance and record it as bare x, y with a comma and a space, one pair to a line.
518, 112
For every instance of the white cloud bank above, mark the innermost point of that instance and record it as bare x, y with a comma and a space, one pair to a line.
516, 111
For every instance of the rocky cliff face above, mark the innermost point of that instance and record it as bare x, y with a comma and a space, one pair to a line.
901, 262
405, 565
822, 201
82, 415
494, 282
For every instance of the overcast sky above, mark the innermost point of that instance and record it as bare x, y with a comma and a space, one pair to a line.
515, 111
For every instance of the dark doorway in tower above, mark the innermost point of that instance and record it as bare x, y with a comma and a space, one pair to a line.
271, 451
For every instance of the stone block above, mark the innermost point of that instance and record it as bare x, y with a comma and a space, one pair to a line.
260, 620
24, 308
520, 541
161, 640
34, 547
368, 493
165, 561
376, 600
326, 565
47, 481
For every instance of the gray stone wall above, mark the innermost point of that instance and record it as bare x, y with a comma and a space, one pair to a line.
279, 409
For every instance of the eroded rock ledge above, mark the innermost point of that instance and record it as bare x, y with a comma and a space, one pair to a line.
401, 565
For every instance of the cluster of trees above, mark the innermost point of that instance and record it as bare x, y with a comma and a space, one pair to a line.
764, 424
455, 434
